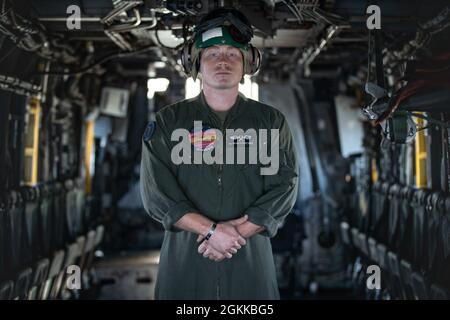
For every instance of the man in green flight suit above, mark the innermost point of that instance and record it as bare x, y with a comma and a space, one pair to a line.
218, 217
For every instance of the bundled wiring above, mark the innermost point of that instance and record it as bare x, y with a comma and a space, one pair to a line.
310, 10
18, 86
29, 36
294, 10
107, 58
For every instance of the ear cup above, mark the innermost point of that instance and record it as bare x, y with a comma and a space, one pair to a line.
190, 59
256, 63
252, 61
195, 64
186, 61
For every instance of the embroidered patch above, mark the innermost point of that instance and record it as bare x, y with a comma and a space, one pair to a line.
149, 131
203, 140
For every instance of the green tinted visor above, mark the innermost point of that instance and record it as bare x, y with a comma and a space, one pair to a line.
220, 36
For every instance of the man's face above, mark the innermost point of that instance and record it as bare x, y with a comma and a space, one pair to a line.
221, 66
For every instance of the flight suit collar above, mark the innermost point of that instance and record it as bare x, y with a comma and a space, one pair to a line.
207, 111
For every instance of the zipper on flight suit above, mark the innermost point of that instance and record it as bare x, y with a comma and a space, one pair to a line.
223, 126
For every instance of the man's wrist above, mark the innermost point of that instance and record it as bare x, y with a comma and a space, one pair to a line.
248, 229
204, 227
211, 231
209, 234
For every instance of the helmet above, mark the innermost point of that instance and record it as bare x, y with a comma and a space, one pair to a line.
221, 26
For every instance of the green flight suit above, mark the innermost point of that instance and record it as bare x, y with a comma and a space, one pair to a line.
220, 192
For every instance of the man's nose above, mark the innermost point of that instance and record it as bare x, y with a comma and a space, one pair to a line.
223, 61
222, 57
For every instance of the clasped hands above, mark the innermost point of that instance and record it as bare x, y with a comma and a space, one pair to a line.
227, 239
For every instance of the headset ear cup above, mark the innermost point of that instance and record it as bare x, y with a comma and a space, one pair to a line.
252, 60
256, 63
195, 67
186, 57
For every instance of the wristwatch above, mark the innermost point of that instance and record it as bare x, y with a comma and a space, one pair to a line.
210, 232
